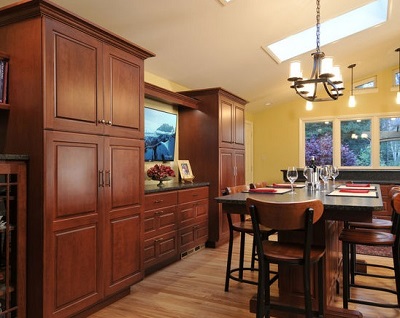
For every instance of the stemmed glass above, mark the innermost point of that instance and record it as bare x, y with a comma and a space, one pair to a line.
324, 174
292, 175
334, 173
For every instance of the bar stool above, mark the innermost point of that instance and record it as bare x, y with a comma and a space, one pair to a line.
287, 217
243, 227
375, 224
370, 237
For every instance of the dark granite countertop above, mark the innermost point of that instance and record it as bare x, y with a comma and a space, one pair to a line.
13, 157
173, 186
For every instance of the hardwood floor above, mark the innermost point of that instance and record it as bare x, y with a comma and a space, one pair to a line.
194, 287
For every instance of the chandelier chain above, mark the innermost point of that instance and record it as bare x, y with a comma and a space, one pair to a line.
318, 26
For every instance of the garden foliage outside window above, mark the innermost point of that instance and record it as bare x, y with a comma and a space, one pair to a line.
372, 142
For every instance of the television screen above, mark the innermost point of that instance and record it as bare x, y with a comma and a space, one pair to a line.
159, 135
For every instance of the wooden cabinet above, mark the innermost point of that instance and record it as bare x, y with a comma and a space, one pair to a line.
193, 218
160, 230
217, 128
387, 211
175, 222
93, 227
101, 81
12, 238
77, 93
231, 123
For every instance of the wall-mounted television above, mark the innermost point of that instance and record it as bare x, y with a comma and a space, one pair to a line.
159, 135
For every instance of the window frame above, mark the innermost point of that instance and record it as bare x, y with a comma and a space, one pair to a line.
336, 131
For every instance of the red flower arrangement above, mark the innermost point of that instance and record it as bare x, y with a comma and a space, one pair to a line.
160, 172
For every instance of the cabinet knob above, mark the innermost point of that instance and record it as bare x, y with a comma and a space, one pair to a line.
101, 121
109, 123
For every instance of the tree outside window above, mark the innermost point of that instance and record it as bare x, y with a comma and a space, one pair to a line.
355, 137
389, 141
319, 143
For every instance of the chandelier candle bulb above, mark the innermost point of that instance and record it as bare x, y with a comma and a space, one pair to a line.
309, 105
295, 71
326, 67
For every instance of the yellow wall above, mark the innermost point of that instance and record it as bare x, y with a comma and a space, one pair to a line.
276, 130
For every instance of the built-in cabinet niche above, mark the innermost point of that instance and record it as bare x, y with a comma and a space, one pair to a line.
171, 102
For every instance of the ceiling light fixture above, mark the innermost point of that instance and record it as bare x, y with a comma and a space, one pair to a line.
398, 93
323, 73
352, 99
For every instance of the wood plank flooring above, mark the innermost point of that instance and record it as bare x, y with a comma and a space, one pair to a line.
194, 287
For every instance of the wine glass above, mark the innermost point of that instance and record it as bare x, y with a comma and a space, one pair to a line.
292, 176
334, 173
324, 174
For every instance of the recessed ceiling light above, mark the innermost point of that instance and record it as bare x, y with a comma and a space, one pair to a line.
225, 2
354, 21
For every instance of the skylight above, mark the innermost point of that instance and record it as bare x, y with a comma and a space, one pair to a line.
335, 29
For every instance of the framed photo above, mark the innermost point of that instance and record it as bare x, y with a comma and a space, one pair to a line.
185, 170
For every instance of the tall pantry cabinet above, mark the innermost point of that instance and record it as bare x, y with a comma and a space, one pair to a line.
77, 110
212, 139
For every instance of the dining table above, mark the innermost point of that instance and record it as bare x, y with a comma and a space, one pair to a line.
343, 202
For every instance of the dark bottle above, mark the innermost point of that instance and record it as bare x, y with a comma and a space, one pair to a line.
313, 166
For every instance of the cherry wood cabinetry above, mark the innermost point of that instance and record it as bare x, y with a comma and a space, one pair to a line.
387, 211
90, 68
176, 221
212, 139
160, 230
193, 218
13, 238
77, 110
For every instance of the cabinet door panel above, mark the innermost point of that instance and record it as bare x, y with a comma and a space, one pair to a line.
239, 126
226, 125
123, 93
123, 190
73, 79
73, 227
240, 167
125, 242
226, 161
76, 262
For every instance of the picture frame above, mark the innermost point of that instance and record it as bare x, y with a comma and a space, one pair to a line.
185, 171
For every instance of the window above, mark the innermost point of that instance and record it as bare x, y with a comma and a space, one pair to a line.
367, 84
355, 143
389, 154
319, 142
370, 142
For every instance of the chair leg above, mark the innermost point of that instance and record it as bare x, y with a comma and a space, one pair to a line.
229, 261
353, 262
346, 288
307, 290
396, 265
261, 296
321, 291
253, 254
241, 257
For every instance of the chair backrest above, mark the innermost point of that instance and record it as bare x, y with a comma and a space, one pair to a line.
237, 189
396, 214
285, 216
256, 185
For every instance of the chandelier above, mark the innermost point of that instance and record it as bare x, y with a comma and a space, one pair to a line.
325, 82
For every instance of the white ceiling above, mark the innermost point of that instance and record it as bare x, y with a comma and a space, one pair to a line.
202, 44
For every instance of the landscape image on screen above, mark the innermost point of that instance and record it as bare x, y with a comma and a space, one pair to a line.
159, 135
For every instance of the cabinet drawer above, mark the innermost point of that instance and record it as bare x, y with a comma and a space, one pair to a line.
190, 195
160, 221
160, 248
159, 200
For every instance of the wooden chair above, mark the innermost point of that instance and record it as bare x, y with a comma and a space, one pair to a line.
371, 237
256, 185
243, 227
287, 217
375, 224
